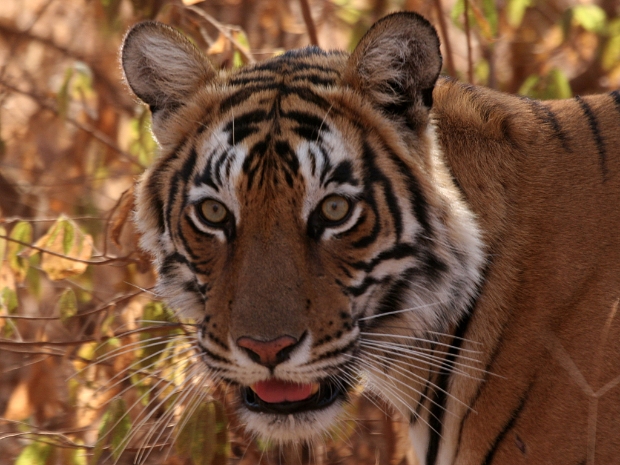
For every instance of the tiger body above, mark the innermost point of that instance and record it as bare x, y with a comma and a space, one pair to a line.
330, 219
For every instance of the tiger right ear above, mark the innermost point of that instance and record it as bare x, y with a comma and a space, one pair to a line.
396, 65
161, 66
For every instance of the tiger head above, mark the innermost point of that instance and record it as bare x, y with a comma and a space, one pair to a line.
299, 209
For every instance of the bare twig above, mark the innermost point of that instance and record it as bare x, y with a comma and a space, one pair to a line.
105, 261
223, 30
306, 13
446, 38
470, 62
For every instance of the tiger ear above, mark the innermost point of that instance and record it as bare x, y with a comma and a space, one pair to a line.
161, 66
396, 65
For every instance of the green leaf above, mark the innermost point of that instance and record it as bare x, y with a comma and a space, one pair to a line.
67, 305
62, 97
197, 432
559, 85
22, 231
591, 17
35, 454
114, 430
610, 57
515, 11
3, 244
490, 14
8, 300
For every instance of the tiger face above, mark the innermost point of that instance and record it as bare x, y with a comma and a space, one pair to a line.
298, 210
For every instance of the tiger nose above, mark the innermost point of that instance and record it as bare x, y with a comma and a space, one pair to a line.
268, 353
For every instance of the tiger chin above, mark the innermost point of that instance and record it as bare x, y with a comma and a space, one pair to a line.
331, 219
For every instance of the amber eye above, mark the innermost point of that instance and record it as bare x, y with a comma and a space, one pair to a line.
335, 208
213, 211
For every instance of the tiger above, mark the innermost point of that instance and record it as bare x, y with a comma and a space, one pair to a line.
335, 221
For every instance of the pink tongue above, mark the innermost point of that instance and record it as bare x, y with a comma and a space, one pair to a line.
274, 391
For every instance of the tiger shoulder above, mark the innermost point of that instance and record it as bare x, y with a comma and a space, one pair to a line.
330, 219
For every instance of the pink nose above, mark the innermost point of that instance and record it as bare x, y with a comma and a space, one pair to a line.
268, 353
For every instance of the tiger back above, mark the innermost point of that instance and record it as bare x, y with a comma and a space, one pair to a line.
332, 219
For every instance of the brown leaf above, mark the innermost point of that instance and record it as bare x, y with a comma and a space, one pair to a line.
121, 215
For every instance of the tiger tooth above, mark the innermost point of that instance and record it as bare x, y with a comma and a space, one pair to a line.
315, 389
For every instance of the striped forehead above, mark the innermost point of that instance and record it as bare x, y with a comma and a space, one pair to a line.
315, 155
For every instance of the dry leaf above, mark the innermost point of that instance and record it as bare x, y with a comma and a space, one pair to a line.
121, 215
65, 238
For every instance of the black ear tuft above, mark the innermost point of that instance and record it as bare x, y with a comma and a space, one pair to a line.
396, 65
161, 66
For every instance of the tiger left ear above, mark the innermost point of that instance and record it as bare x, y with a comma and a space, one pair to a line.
162, 67
396, 65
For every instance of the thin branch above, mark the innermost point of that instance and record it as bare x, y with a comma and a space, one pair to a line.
470, 63
222, 29
306, 13
78, 260
446, 38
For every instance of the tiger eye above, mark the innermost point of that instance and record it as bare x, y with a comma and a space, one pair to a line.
335, 208
213, 211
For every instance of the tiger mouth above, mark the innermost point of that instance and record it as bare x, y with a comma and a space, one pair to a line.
284, 398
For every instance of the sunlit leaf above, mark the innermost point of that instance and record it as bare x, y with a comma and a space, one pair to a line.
515, 11
554, 85
591, 17
489, 10
67, 305
611, 53
114, 430
65, 238
22, 232
35, 454
3, 243
62, 96
559, 86
8, 300
142, 144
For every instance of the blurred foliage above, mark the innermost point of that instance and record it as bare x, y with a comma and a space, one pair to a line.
94, 369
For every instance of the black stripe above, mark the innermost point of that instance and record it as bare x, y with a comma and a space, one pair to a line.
304, 93
240, 96
439, 402
308, 120
154, 187
488, 460
213, 356
342, 174
397, 252
372, 176
546, 114
315, 79
423, 397
420, 206
596, 133
171, 261
356, 291
616, 96
242, 126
